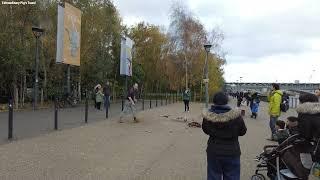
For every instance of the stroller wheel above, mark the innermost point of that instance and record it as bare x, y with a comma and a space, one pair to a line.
258, 177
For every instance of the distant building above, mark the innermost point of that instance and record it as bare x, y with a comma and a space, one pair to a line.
296, 81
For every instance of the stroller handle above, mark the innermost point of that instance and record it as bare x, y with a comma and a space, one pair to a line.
269, 146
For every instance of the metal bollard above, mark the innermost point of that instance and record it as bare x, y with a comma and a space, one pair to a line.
156, 100
86, 111
107, 108
122, 103
172, 98
161, 99
166, 99
10, 123
150, 102
143, 101
55, 114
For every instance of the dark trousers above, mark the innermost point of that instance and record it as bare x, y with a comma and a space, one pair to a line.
272, 124
223, 168
106, 102
238, 103
98, 105
186, 105
254, 115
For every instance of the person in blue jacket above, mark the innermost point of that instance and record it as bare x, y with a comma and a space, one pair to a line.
255, 105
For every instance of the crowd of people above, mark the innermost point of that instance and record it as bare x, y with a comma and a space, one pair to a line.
224, 125
102, 95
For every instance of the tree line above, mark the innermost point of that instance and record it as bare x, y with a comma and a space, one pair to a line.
160, 56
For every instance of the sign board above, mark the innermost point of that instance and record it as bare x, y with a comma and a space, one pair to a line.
126, 56
68, 35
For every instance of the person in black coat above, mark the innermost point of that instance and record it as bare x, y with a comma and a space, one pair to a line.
223, 125
239, 99
309, 116
309, 130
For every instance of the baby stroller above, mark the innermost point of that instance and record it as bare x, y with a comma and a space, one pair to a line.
283, 162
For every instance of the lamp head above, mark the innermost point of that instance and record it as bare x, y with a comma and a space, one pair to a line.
207, 47
37, 31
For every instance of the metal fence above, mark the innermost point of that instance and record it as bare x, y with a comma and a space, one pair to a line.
27, 123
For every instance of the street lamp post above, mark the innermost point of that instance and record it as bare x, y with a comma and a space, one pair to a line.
37, 32
207, 48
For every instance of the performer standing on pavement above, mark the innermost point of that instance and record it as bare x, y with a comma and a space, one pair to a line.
130, 103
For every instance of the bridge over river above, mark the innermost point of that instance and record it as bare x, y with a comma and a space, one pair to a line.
263, 87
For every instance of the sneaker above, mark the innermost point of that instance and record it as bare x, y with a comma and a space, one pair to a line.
135, 119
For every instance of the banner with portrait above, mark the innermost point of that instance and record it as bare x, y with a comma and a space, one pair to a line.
68, 35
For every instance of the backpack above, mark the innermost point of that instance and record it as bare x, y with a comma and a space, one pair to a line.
284, 105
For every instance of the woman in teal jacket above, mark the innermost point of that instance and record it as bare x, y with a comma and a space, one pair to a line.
99, 98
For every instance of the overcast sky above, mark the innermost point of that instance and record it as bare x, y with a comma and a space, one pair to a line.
266, 41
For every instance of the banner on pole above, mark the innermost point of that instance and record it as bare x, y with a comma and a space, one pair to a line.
68, 35
126, 56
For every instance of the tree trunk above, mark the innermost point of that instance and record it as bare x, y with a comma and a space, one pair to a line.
201, 92
21, 91
24, 87
16, 95
79, 88
41, 97
44, 88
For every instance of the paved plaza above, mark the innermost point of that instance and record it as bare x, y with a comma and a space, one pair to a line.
155, 148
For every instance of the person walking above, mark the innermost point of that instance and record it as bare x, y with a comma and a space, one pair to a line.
186, 99
248, 97
130, 103
106, 92
254, 105
239, 99
99, 98
274, 97
224, 126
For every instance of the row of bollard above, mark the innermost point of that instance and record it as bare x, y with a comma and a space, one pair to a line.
169, 98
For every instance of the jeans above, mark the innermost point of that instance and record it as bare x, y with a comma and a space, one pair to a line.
186, 105
106, 101
223, 168
128, 108
98, 105
272, 124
